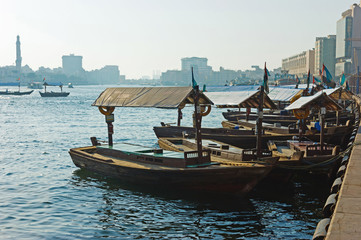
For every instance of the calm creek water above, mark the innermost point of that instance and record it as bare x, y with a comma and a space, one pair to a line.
44, 196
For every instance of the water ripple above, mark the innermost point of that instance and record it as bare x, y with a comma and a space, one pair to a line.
44, 196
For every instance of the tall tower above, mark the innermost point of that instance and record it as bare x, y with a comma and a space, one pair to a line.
18, 54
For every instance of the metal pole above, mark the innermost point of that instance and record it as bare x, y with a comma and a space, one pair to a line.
259, 123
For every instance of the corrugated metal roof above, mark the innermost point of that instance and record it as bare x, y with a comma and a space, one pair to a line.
283, 94
317, 101
158, 97
242, 99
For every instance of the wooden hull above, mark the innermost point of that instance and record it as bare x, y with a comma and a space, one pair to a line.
246, 141
54, 94
15, 93
237, 137
333, 134
294, 160
284, 120
175, 131
222, 178
267, 128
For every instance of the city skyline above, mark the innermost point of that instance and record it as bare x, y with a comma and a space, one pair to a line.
145, 36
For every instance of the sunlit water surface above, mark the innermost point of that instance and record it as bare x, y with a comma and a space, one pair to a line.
44, 196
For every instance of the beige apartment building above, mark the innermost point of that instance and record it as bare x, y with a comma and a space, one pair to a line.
300, 64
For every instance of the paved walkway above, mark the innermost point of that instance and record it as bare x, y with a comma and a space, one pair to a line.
346, 219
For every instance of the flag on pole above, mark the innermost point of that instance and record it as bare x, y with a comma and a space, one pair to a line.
18, 79
316, 81
343, 80
44, 80
327, 77
344, 83
265, 79
194, 83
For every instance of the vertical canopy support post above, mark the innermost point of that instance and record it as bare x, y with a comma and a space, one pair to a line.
180, 116
198, 119
322, 123
109, 119
259, 123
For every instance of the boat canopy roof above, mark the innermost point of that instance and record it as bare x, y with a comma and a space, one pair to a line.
283, 94
320, 99
158, 97
242, 99
53, 84
338, 93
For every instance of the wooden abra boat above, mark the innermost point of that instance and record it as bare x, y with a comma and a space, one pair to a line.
177, 170
54, 94
190, 170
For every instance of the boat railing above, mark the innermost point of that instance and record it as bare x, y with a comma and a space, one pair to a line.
315, 149
251, 154
193, 157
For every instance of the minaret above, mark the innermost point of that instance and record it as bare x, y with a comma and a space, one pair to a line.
18, 54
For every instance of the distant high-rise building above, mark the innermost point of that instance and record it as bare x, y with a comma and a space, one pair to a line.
18, 55
348, 41
300, 64
325, 50
72, 65
202, 72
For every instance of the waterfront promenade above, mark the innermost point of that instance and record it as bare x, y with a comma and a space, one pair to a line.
346, 220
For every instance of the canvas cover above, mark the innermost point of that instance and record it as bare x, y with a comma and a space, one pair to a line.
316, 101
158, 97
242, 99
53, 84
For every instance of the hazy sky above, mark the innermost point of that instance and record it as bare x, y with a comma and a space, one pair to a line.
141, 36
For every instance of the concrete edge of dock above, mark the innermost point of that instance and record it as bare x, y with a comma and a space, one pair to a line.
342, 210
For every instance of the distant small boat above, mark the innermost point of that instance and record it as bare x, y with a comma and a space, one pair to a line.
7, 92
15, 92
35, 85
54, 94
70, 85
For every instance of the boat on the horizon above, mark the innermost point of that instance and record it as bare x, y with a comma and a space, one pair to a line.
10, 92
54, 94
18, 93
35, 85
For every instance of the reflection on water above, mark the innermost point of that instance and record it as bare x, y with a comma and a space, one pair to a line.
44, 196
157, 212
